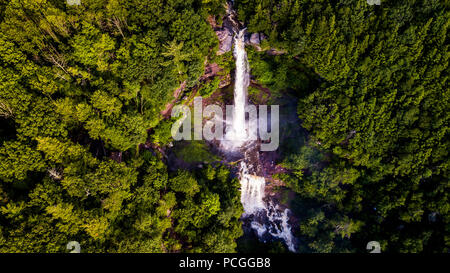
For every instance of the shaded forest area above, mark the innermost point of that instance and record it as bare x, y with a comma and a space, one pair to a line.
375, 163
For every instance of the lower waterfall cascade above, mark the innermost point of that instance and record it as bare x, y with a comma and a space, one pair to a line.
252, 199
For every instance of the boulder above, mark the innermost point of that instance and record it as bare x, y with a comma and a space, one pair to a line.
262, 37
255, 39
225, 36
225, 81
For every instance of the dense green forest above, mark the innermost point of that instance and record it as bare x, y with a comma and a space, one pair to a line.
82, 136
376, 162
80, 87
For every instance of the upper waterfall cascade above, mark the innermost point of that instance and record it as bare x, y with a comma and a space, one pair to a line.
242, 82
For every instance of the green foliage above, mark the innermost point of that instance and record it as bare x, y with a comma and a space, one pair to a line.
379, 113
194, 151
185, 183
209, 88
17, 160
208, 219
279, 73
80, 87
163, 134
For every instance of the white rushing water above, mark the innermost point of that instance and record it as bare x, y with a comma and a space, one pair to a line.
237, 133
252, 198
281, 228
242, 82
252, 191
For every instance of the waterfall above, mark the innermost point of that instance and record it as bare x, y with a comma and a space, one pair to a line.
240, 87
280, 227
271, 219
266, 218
252, 191
238, 131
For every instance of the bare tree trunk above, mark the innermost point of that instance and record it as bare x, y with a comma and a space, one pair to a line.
5, 110
57, 59
117, 23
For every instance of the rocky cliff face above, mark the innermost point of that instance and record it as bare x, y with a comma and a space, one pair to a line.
226, 36
230, 26
225, 40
